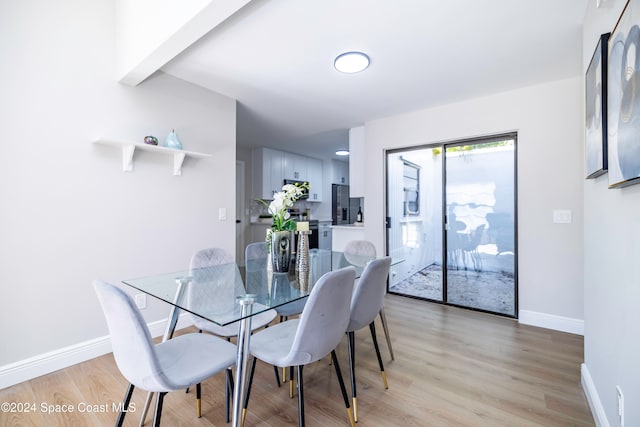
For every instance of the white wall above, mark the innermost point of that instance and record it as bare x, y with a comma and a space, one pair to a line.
548, 119
68, 214
611, 271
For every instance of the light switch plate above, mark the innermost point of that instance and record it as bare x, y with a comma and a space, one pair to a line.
222, 214
562, 216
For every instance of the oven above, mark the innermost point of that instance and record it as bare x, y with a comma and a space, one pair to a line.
313, 237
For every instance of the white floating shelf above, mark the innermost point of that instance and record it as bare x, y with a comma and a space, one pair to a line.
128, 148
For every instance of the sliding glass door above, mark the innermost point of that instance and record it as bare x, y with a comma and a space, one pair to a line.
451, 216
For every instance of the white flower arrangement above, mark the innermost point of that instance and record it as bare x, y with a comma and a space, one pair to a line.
281, 203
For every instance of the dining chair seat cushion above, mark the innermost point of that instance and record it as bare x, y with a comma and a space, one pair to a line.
274, 347
317, 331
181, 358
231, 330
291, 308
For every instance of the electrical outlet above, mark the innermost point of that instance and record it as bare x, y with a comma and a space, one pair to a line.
620, 405
222, 214
141, 301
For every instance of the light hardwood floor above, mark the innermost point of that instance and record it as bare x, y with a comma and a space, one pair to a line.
453, 367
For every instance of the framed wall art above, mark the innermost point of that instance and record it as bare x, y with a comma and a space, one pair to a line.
623, 92
596, 110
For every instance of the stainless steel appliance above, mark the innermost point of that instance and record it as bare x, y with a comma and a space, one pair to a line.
344, 210
340, 204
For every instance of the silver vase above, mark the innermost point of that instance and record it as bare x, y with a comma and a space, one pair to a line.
281, 242
302, 260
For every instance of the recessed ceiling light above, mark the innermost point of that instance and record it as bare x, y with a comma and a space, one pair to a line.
342, 153
351, 62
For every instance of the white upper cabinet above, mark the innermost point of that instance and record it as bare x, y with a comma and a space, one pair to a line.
267, 172
295, 167
315, 179
272, 167
339, 172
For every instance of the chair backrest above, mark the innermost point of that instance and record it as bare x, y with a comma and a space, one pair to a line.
215, 279
255, 256
368, 294
210, 257
325, 317
132, 345
356, 250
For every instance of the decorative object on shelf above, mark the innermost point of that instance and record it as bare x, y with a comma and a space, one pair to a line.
151, 140
280, 244
623, 96
172, 141
302, 258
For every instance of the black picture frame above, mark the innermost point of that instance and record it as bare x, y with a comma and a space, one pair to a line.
623, 98
596, 155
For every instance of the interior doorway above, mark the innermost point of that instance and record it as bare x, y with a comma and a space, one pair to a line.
451, 216
240, 214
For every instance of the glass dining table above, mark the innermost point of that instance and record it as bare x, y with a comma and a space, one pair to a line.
219, 294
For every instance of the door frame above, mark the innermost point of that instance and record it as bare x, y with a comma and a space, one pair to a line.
444, 145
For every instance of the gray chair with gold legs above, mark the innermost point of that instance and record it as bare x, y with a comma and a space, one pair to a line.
367, 296
367, 249
159, 368
228, 281
312, 336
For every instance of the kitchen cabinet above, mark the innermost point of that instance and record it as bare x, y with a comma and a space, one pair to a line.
339, 172
272, 167
315, 179
324, 235
268, 173
295, 167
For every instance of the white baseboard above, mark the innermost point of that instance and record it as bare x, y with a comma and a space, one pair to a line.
551, 321
597, 410
46, 363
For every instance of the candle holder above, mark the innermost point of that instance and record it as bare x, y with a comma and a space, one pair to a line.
302, 260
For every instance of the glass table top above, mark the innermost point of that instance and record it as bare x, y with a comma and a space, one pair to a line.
212, 292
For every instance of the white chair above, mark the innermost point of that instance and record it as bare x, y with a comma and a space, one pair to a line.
312, 336
228, 283
159, 368
255, 253
367, 297
367, 249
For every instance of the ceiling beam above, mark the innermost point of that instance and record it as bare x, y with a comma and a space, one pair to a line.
150, 33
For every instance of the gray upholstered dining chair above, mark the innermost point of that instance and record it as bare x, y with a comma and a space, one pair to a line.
159, 368
312, 336
255, 253
228, 283
367, 297
367, 249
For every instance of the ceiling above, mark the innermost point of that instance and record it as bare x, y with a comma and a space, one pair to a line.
276, 58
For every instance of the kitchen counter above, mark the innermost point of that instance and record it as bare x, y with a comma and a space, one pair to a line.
342, 234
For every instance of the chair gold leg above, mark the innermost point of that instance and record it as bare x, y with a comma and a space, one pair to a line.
244, 415
384, 378
199, 407
355, 409
284, 374
291, 388
350, 414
